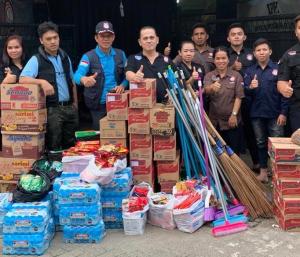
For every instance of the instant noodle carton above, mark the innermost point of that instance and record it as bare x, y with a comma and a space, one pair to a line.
164, 148
284, 151
140, 146
142, 94
114, 141
141, 167
117, 106
162, 120
138, 121
168, 170
112, 129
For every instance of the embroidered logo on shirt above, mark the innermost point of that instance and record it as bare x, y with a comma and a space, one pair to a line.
210, 55
292, 53
275, 72
166, 59
232, 79
249, 57
138, 57
84, 63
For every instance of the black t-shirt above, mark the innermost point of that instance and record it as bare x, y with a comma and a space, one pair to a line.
160, 64
14, 69
188, 72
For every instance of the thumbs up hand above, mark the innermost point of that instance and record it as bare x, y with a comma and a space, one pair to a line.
168, 49
195, 73
287, 90
254, 82
139, 75
89, 81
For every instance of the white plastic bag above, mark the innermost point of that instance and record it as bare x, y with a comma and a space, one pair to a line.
75, 164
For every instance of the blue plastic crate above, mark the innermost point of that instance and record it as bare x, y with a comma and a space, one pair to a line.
79, 193
112, 215
84, 234
80, 215
114, 202
113, 225
20, 221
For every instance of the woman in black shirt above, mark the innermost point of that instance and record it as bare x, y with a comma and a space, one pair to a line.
13, 59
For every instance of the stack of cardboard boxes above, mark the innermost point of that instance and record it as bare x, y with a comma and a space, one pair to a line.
285, 158
23, 126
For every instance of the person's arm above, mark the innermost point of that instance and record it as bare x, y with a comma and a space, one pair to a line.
284, 84
124, 84
232, 121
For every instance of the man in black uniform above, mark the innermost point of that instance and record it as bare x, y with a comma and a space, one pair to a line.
289, 78
149, 62
240, 58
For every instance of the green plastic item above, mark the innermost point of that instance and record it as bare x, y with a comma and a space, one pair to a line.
32, 183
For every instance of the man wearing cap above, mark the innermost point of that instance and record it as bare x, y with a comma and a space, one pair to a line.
101, 70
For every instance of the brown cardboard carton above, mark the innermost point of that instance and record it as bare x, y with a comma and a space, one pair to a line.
168, 170
167, 186
114, 141
286, 169
162, 120
112, 129
140, 146
148, 178
29, 145
138, 121
285, 152
164, 148
24, 120
287, 186
13, 168
141, 167
288, 222
7, 186
142, 94
22, 97
117, 106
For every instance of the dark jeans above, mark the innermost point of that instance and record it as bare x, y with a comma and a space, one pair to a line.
97, 115
294, 117
61, 126
264, 128
233, 138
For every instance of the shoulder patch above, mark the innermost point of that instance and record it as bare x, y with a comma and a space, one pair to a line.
275, 72
166, 59
84, 63
249, 57
232, 79
138, 57
292, 53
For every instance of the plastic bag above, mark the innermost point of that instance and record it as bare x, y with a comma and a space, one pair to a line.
295, 138
75, 163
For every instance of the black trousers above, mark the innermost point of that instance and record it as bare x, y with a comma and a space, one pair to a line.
97, 115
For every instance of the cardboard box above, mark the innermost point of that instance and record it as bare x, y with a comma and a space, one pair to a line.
164, 148
29, 145
280, 140
285, 169
140, 146
148, 178
287, 186
117, 106
22, 97
13, 168
7, 186
287, 204
162, 120
24, 120
112, 129
114, 141
167, 186
284, 152
142, 94
168, 170
139, 121
141, 167
289, 222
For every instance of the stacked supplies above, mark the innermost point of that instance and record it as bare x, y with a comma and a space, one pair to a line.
5, 204
111, 198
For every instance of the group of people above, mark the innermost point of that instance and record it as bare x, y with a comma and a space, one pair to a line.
248, 95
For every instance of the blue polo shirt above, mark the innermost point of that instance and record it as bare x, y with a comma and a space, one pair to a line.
266, 101
108, 66
32, 67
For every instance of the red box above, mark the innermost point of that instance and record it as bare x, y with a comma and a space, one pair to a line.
286, 170
142, 94
280, 140
164, 148
287, 204
287, 186
114, 141
138, 121
117, 106
148, 178
141, 167
140, 146
290, 222
168, 170
284, 152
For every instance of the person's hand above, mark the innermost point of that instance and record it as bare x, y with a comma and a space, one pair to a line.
281, 120
119, 89
216, 86
254, 82
195, 74
232, 121
167, 50
47, 88
89, 81
287, 90
237, 65
75, 105
139, 75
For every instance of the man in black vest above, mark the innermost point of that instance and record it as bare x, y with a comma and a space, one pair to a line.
52, 69
101, 70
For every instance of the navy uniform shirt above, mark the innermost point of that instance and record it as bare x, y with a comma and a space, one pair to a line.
289, 69
160, 64
266, 101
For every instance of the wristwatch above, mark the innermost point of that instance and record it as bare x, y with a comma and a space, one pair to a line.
234, 113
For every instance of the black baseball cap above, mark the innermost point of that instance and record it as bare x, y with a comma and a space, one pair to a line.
104, 26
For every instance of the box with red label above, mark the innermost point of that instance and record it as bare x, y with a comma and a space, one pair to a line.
13, 168
117, 106
22, 97
142, 94
114, 141
289, 222
29, 145
162, 120
287, 204
24, 120
164, 148
285, 152
168, 170
167, 186
280, 140
138, 121
141, 167
112, 129
148, 178
287, 186
140, 146
286, 169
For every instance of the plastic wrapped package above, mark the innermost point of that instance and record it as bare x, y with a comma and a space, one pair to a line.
112, 215
46, 205
5, 205
114, 202
120, 184
58, 182
113, 225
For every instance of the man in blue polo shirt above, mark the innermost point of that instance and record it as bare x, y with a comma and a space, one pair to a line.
100, 71
52, 69
268, 108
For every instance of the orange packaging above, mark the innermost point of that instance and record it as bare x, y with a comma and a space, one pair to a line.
168, 170
22, 97
162, 120
112, 129
24, 120
141, 167
142, 94
138, 121
117, 106
164, 148
140, 146
29, 145
114, 141
286, 169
